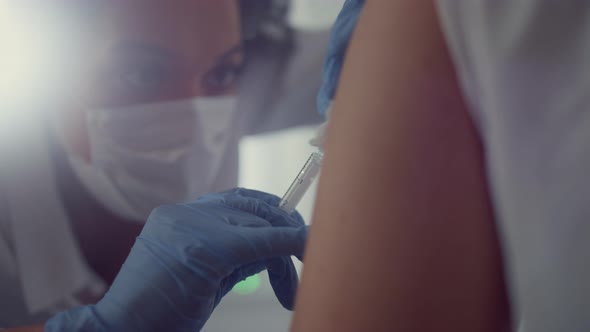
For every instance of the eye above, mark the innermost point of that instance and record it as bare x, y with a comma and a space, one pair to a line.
221, 77
226, 72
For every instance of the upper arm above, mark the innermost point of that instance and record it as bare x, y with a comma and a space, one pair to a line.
403, 236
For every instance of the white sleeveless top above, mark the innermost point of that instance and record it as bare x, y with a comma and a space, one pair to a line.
524, 71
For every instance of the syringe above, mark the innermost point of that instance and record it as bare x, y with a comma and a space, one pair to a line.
302, 182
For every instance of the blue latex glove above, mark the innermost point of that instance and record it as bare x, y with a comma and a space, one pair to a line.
188, 256
337, 46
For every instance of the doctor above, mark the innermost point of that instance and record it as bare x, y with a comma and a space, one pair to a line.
165, 92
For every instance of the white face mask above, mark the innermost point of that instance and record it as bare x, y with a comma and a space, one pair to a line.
148, 155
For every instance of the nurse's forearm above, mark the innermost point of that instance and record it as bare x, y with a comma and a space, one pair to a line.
25, 329
403, 237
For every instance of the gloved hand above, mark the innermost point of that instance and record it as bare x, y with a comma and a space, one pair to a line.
188, 256
337, 46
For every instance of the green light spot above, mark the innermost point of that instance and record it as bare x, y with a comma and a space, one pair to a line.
248, 286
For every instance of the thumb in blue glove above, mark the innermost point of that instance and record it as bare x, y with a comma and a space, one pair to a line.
189, 256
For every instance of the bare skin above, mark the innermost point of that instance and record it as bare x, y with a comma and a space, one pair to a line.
414, 246
141, 51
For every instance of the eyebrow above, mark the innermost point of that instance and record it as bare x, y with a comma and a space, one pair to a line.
143, 48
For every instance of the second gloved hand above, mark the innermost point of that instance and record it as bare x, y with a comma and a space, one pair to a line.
188, 257
337, 46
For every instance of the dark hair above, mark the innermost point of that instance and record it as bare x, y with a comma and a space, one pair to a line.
265, 27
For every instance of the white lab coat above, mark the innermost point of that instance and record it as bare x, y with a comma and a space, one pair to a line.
524, 70
41, 267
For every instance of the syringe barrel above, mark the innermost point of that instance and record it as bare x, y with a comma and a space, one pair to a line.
302, 182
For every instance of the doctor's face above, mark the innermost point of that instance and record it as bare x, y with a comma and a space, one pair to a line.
153, 50
144, 51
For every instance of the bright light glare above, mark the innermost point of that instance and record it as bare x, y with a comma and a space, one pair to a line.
26, 44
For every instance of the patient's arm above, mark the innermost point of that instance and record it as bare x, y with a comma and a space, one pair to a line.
403, 237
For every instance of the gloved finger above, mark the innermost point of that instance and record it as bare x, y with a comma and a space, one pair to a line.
271, 242
263, 196
261, 204
273, 200
261, 209
284, 280
270, 199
